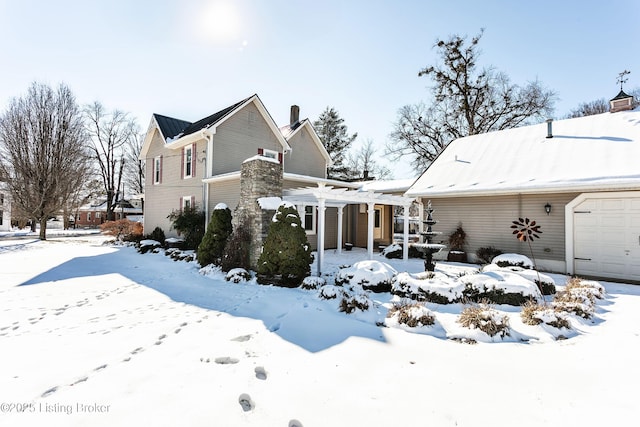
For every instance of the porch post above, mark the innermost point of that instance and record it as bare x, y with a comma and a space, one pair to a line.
405, 234
340, 209
370, 220
421, 216
321, 209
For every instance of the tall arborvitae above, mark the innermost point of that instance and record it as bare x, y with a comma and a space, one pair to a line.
211, 249
286, 256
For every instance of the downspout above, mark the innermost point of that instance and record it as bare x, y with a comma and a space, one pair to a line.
208, 136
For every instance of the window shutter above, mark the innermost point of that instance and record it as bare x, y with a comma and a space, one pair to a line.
194, 157
280, 158
193, 202
260, 151
181, 203
160, 180
182, 163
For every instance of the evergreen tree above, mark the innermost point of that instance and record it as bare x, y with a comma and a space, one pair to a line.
211, 249
333, 133
286, 256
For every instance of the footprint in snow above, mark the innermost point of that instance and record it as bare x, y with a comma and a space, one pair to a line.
226, 360
246, 402
242, 338
295, 423
275, 327
49, 392
261, 374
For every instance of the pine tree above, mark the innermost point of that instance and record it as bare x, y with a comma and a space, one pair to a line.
333, 133
286, 256
211, 249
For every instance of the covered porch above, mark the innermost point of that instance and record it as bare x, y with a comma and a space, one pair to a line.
323, 196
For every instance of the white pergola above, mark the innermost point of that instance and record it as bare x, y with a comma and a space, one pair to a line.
324, 196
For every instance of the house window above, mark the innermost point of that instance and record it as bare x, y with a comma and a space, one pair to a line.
157, 170
270, 154
309, 219
88, 216
98, 215
187, 202
1, 199
1, 217
188, 165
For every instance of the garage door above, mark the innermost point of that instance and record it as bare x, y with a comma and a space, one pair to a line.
607, 238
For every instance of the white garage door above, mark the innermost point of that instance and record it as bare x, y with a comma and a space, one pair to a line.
607, 238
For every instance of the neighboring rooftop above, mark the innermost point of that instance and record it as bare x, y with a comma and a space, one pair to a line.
596, 152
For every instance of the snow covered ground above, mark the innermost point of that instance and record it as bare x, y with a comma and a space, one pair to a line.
98, 335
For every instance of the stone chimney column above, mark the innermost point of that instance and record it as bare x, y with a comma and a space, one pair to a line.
259, 177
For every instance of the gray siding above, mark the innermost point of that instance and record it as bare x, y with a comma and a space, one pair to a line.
305, 158
227, 192
163, 198
487, 222
239, 138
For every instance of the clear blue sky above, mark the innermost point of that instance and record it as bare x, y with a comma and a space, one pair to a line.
190, 58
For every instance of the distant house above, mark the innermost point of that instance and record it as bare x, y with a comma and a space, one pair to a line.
5, 209
578, 178
240, 157
93, 214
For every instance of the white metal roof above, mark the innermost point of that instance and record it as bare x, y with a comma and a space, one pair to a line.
341, 196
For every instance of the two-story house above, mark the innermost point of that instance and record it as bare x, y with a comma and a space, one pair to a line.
200, 165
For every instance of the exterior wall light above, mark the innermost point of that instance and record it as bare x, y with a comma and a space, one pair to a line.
547, 208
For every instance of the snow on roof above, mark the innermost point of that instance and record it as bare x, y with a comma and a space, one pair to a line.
388, 185
585, 153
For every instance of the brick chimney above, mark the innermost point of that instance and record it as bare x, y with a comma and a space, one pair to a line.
295, 115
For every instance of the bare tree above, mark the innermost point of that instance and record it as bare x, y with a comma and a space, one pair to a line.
363, 166
589, 108
110, 132
42, 151
466, 101
134, 173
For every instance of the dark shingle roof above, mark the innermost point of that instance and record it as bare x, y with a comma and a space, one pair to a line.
212, 119
169, 126
621, 95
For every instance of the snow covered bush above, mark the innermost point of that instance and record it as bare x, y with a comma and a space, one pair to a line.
545, 283
394, 251
578, 297
427, 286
148, 245
237, 275
236, 252
512, 260
488, 320
411, 314
577, 285
535, 314
374, 276
313, 282
286, 256
500, 287
353, 302
157, 234
330, 292
211, 248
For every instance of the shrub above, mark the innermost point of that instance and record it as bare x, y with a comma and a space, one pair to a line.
313, 282
123, 230
457, 239
534, 314
237, 275
286, 256
236, 252
411, 314
189, 222
330, 292
211, 249
394, 251
493, 295
486, 319
578, 285
351, 303
375, 276
487, 253
158, 235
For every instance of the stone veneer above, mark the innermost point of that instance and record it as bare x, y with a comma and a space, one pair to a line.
259, 177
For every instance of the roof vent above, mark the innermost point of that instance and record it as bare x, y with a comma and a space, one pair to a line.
549, 128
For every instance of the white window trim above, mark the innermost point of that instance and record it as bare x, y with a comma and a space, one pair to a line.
157, 170
188, 164
186, 199
272, 154
303, 216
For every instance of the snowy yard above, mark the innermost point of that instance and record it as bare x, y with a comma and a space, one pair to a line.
98, 335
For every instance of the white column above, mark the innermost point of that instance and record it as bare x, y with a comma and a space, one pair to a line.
420, 216
321, 209
370, 221
340, 209
405, 234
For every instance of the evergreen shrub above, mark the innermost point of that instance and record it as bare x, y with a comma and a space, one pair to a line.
211, 249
